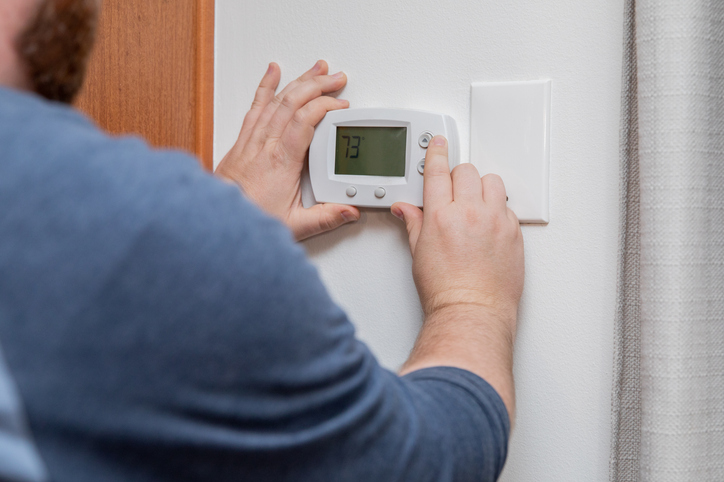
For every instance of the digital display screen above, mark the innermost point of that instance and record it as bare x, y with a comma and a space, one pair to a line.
371, 151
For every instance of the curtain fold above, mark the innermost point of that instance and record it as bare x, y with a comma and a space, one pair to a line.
674, 290
626, 398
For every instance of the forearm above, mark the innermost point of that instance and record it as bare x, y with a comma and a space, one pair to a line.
473, 338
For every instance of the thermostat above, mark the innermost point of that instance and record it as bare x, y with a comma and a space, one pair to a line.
375, 157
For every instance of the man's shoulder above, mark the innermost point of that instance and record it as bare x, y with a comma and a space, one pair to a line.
83, 211
54, 156
52, 141
63, 177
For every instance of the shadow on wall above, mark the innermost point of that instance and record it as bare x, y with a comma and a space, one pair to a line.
372, 221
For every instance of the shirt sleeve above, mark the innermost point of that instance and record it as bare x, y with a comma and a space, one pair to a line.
187, 338
467, 417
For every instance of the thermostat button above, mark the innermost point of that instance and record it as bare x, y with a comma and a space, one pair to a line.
351, 191
425, 139
380, 192
421, 167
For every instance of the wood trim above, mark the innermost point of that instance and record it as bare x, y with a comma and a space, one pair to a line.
205, 82
152, 74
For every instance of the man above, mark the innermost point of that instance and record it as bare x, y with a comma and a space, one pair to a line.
159, 326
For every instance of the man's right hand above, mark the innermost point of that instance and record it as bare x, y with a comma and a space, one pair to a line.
467, 251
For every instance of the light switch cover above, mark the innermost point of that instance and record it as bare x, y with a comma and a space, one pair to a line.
510, 136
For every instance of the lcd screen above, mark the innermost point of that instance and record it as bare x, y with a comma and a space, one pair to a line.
371, 151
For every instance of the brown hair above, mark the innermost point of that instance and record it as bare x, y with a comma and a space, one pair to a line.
56, 44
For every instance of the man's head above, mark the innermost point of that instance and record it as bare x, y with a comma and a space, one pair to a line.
46, 45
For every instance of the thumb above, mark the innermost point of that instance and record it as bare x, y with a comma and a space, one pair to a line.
322, 218
412, 216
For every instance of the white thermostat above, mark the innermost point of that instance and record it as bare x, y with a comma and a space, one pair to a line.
375, 157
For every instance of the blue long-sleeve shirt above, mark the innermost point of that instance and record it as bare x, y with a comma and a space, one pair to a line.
159, 327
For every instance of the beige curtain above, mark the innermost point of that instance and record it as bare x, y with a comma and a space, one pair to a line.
668, 397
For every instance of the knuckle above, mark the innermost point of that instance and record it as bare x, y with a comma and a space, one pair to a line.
293, 84
291, 101
495, 225
250, 117
440, 218
327, 223
493, 179
295, 142
300, 117
257, 104
278, 156
314, 89
471, 215
466, 167
466, 170
436, 166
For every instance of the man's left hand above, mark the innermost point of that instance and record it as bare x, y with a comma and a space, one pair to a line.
268, 158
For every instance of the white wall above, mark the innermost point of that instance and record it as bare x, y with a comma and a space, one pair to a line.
424, 55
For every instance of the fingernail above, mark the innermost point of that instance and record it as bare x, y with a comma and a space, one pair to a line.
270, 69
343, 101
317, 66
338, 75
348, 217
438, 141
398, 214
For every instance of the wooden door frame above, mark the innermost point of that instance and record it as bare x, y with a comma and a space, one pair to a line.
205, 82
106, 83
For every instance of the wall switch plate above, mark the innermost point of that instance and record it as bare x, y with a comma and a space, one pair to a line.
510, 136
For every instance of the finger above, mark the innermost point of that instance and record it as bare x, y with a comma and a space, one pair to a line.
264, 95
412, 217
437, 187
301, 96
494, 191
299, 132
322, 218
320, 68
466, 183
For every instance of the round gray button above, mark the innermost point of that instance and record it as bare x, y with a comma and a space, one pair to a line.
351, 191
425, 139
421, 167
380, 192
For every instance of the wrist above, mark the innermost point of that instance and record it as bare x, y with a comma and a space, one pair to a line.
472, 338
468, 300
500, 323
228, 180
225, 174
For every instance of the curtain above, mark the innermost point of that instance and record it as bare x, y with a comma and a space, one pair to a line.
668, 395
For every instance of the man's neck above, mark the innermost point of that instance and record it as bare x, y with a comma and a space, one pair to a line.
14, 14
11, 74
